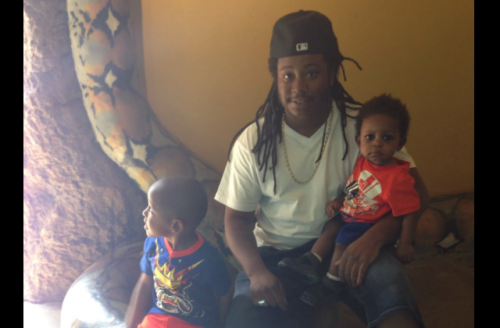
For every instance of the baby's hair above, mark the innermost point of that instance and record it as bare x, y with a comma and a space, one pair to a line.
185, 197
387, 105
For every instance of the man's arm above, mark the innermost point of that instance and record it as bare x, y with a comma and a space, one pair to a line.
140, 301
361, 253
239, 234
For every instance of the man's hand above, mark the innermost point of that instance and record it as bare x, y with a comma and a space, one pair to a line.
355, 261
266, 286
405, 252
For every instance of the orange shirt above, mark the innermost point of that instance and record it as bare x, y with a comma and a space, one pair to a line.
372, 191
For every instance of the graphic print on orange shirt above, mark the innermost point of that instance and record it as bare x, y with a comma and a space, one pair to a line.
361, 194
372, 191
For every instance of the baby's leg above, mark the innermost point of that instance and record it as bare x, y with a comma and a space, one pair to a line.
306, 265
326, 241
331, 281
337, 254
349, 233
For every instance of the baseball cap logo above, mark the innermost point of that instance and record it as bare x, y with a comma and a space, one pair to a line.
301, 46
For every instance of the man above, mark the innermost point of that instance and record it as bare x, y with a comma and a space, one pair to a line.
284, 168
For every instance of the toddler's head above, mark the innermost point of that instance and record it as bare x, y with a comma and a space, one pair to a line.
381, 129
176, 206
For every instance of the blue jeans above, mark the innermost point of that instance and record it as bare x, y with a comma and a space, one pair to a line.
385, 290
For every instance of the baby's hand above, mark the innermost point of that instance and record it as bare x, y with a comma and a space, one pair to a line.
331, 209
405, 253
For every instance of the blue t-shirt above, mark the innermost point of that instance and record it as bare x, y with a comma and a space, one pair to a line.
186, 282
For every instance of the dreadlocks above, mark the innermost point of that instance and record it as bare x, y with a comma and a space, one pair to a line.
270, 134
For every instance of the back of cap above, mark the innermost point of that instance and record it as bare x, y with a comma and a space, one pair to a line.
303, 32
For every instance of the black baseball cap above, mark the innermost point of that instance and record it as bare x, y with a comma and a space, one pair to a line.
303, 32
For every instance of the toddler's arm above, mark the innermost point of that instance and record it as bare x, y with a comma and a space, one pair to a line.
224, 303
140, 301
335, 205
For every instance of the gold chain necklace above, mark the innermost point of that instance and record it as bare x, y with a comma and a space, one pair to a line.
323, 146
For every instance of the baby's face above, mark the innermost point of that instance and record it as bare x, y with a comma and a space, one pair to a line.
379, 139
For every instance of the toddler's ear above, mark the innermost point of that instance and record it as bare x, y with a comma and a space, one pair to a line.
177, 226
357, 140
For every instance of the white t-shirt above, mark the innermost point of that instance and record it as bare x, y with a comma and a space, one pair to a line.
297, 213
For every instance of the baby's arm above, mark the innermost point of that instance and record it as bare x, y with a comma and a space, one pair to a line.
404, 250
140, 301
335, 205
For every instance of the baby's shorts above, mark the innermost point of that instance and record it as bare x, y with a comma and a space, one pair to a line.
351, 231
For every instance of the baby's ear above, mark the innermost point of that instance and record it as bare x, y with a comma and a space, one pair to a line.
357, 140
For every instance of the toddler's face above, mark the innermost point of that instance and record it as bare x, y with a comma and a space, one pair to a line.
379, 139
157, 219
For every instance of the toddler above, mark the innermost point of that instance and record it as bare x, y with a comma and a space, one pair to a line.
184, 277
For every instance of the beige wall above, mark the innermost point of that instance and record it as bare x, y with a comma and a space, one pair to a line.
206, 71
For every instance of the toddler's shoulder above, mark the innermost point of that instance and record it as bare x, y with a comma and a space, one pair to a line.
210, 251
150, 243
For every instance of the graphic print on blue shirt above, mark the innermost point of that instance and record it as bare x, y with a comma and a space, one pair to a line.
186, 282
172, 288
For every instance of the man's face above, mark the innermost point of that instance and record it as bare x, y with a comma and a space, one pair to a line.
304, 85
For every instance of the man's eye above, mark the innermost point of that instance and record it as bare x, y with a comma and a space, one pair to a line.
287, 76
312, 74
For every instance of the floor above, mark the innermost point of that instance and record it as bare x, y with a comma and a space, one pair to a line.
443, 286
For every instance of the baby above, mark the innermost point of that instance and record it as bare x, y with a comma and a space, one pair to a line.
378, 184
